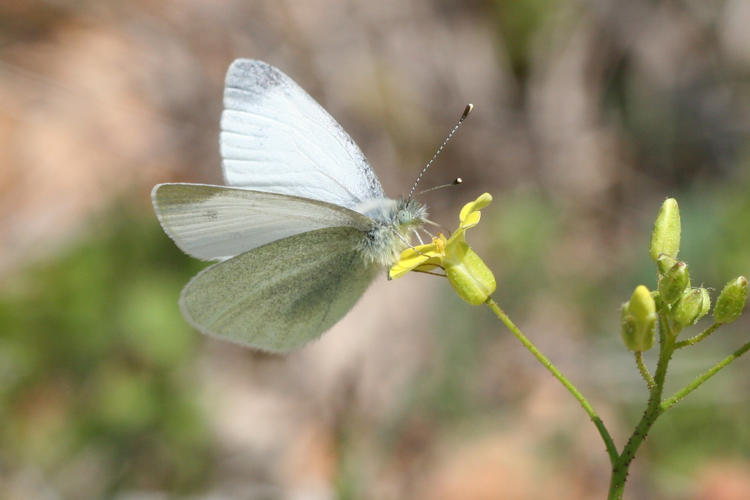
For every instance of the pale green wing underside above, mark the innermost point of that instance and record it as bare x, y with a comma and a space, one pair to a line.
281, 295
217, 222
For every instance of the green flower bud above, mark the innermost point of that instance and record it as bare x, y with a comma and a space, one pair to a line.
731, 301
638, 320
665, 263
693, 305
665, 238
674, 282
641, 304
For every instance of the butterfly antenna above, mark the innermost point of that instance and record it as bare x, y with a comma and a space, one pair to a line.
466, 112
455, 182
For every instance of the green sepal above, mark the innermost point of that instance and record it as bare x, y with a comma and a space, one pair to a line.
469, 275
674, 282
692, 306
665, 263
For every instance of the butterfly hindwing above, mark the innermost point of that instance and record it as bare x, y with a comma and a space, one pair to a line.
279, 296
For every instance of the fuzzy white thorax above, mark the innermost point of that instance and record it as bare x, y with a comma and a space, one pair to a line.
395, 221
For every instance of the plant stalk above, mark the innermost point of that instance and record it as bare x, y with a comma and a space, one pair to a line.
621, 465
668, 403
603, 432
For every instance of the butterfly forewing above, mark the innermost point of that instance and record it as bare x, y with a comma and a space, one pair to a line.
275, 137
216, 222
281, 295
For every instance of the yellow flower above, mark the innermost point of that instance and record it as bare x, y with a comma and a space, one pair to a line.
469, 276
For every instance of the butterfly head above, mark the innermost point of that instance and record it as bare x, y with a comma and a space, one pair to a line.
409, 215
394, 222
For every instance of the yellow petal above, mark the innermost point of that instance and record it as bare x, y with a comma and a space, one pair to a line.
424, 257
470, 214
406, 264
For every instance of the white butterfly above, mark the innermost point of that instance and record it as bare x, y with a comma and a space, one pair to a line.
301, 228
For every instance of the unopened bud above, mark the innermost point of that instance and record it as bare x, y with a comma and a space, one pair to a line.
665, 263
674, 282
665, 238
638, 320
731, 301
692, 306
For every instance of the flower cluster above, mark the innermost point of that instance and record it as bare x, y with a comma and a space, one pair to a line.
680, 304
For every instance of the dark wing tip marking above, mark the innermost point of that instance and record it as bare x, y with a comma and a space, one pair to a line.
251, 74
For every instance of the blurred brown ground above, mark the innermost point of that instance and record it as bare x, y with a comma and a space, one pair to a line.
101, 100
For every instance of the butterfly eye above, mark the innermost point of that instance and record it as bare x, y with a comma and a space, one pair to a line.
404, 217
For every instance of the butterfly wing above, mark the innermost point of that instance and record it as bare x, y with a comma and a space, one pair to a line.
216, 222
276, 138
279, 296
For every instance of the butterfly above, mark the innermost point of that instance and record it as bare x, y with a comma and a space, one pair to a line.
301, 228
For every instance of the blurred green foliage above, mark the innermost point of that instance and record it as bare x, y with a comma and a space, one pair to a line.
97, 366
519, 23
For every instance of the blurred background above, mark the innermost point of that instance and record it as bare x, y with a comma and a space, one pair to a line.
588, 114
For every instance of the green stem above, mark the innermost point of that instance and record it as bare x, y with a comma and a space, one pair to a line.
667, 404
653, 410
644, 370
608, 442
694, 340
